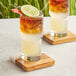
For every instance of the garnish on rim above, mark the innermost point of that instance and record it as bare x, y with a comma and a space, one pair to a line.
30, 11
17, 11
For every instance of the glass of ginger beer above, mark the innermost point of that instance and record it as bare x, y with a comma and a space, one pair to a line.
31, 31
59, 15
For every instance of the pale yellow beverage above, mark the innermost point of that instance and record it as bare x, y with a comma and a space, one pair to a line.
31, 48
59, 22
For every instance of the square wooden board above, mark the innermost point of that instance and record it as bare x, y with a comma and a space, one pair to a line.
69, 38
45, 61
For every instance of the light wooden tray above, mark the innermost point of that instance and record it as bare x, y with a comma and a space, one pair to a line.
69, 38
45, 61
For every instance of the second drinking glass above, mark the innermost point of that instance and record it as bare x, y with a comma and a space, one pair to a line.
59, 14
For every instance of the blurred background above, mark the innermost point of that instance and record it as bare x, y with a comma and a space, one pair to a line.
43, 5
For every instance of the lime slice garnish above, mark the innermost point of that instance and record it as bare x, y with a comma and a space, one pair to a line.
30, 11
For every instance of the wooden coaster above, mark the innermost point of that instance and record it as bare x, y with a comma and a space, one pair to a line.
70, 37
45, 61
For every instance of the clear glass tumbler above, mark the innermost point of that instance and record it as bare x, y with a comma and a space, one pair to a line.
31, 31
59, 17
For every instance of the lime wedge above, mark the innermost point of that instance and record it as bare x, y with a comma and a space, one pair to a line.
30, 11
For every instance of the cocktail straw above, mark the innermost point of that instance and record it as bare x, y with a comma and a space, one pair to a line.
44, 8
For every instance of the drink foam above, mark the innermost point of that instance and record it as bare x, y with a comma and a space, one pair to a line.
58, 15
31, 37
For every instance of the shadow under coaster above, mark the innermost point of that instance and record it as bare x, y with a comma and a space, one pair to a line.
69, 38
45, 61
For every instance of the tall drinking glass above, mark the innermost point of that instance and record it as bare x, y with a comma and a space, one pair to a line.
31, 31
59, 15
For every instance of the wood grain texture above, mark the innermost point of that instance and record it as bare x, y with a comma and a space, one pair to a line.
45, 61
69, 38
